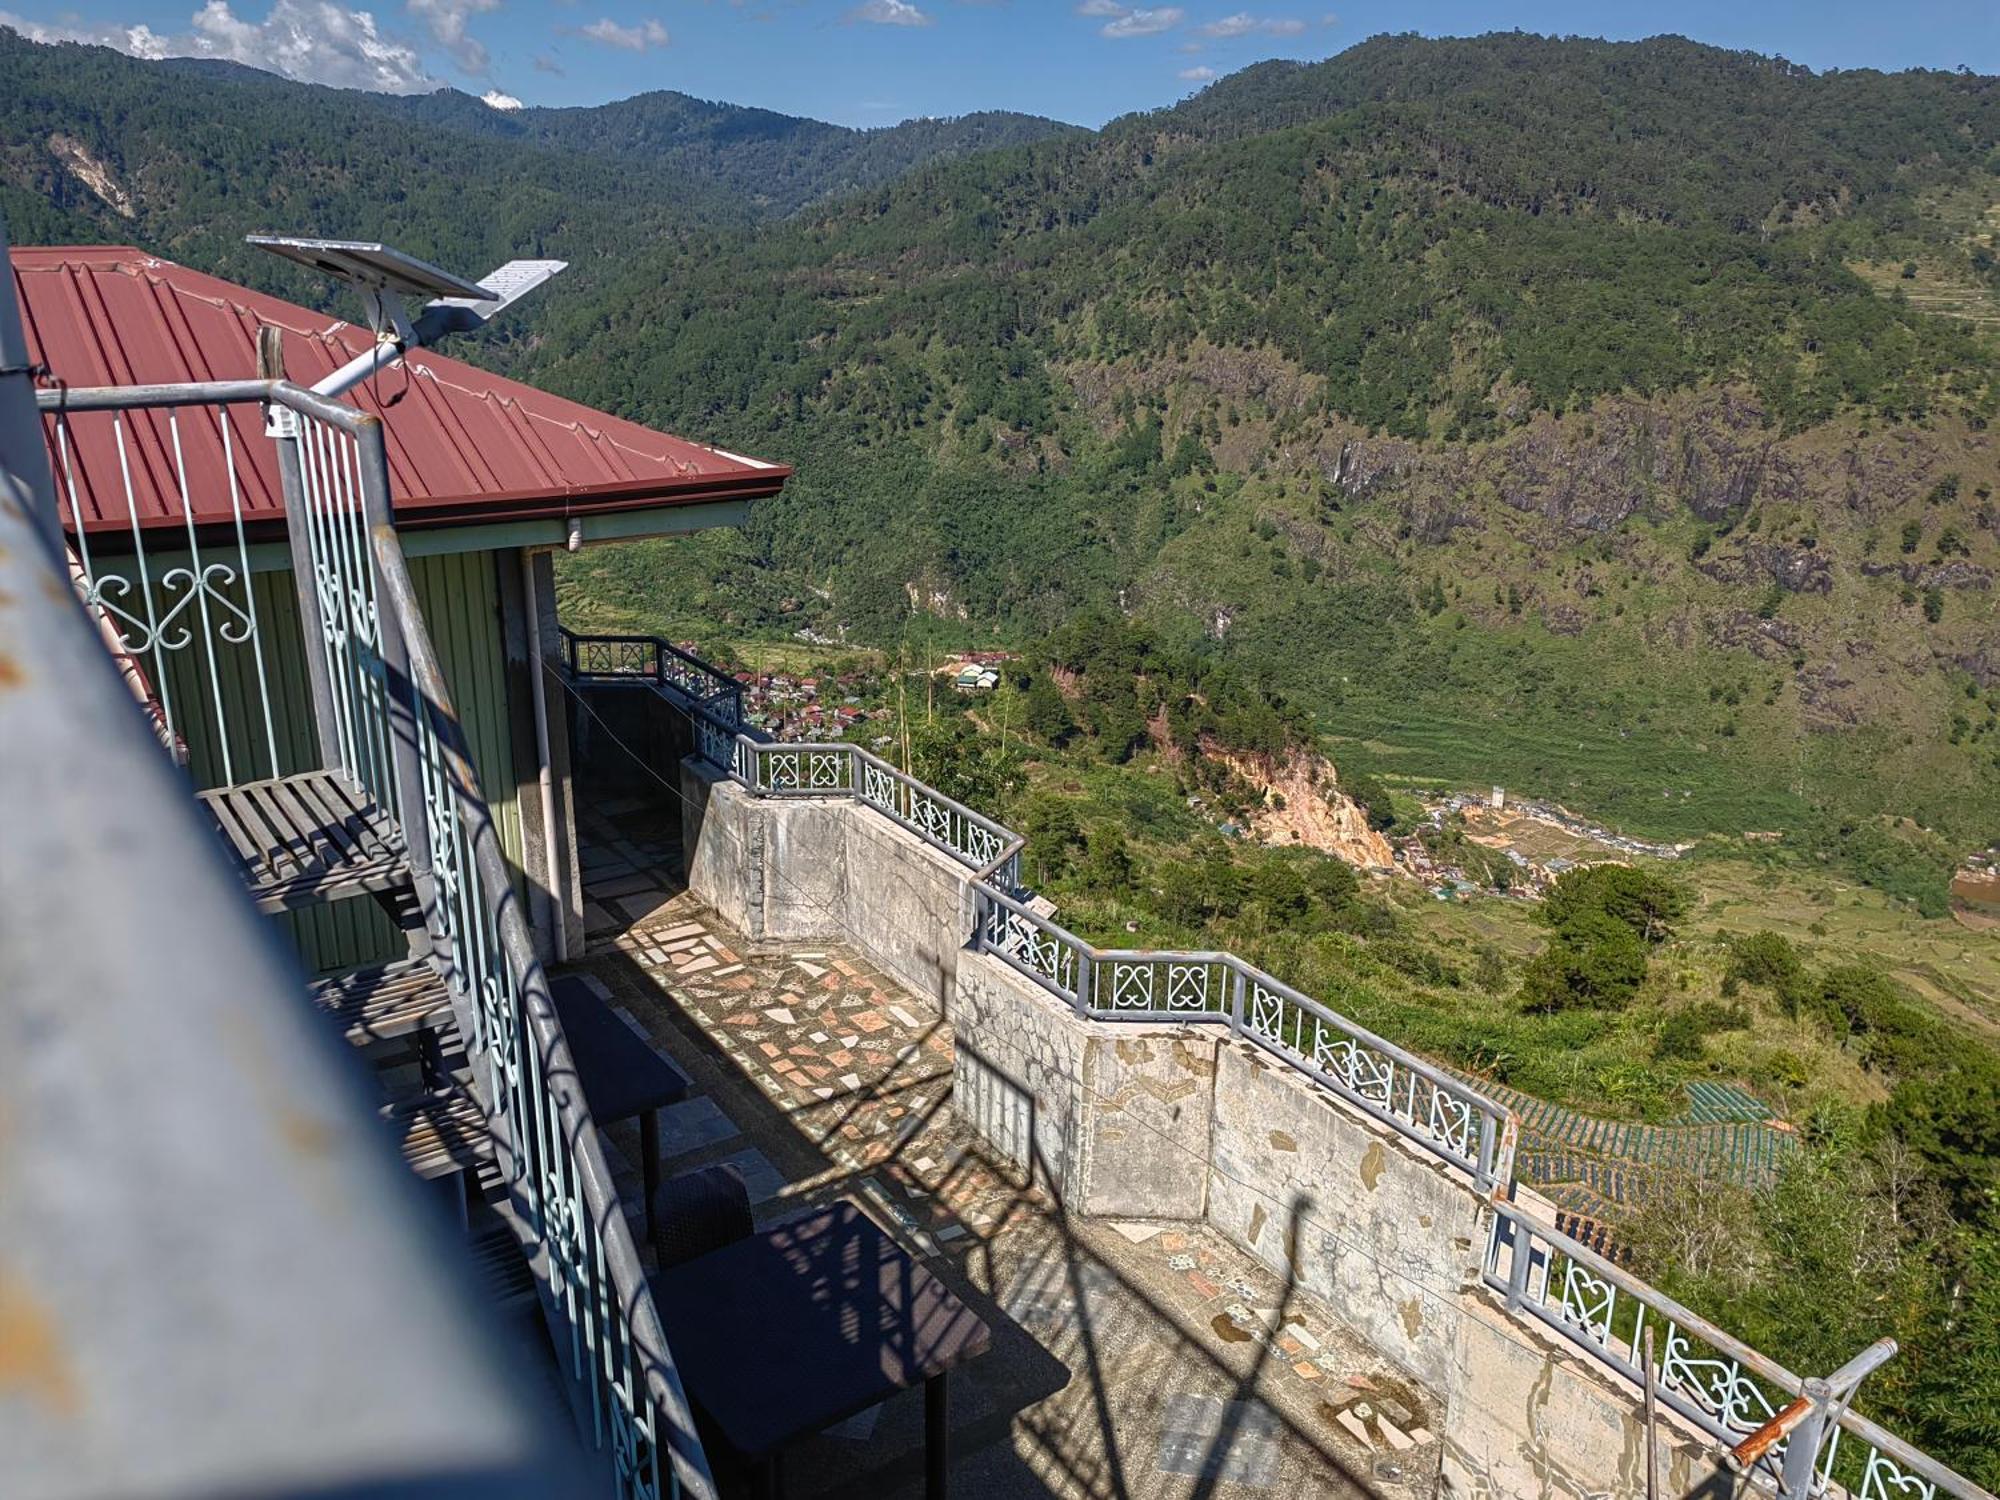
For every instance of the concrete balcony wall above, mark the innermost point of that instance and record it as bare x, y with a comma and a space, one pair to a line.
804, 868
1386, 1234
1185, 1123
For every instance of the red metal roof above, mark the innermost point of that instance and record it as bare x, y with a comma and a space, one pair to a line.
465, 447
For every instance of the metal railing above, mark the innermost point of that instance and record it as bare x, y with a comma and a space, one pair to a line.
620, 658
175, 591
1426, 1104
383, 714
1721, 1385
608, 1331
218, 1279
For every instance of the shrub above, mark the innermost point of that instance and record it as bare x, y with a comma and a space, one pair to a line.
1648, 905
1594, 962
1764, 958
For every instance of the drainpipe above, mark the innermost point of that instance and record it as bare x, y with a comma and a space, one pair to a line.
544, 769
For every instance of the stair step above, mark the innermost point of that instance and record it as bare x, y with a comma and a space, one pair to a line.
384, 1001
300, 840
441, 1133
502, 1271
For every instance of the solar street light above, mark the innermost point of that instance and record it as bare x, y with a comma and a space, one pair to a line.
385, 276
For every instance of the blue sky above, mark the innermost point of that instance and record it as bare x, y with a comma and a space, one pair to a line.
873, 62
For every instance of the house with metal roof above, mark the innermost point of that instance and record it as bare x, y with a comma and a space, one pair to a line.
176, 520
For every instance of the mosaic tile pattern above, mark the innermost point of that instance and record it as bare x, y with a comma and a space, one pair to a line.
1121, 1351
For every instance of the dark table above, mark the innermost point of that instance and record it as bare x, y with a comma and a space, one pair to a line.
620, 1075
785, 1333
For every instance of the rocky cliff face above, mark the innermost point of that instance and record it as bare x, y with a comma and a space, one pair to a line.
1303, 806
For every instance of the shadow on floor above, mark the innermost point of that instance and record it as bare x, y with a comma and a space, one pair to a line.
821, 1080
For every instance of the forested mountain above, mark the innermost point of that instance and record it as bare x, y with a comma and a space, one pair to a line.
187, 156
773, 163
1610, 419
1556, 405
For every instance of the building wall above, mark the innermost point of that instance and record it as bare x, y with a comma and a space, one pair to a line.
460, 598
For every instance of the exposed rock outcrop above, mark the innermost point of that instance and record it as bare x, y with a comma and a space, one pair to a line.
1303, 806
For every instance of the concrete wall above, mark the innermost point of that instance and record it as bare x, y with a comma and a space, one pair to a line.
1528, 1414
1386, 1234
1180, 1122
813, 868
1016, 1061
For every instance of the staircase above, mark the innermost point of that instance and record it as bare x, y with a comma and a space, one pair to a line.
457, 1028
316, 838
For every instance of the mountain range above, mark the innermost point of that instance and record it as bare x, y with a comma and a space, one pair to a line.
1609, 419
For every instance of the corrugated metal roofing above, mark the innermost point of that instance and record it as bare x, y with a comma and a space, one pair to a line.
465, 447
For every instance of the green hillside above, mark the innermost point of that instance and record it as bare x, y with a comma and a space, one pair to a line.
1510, 402
1613, 422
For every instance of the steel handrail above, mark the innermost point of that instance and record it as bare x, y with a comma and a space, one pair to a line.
430, 703
1521, 1234
579, 1130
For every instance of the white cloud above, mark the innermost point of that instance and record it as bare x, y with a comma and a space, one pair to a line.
1100, 8
313, 41
494, 99
1245, 24
1144, 22
1197, 75
546, 64
649, 33
447, 22
888, 13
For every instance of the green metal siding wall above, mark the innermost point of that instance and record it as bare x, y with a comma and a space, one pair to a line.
459, 594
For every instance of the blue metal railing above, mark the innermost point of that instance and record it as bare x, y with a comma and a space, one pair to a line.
385, 718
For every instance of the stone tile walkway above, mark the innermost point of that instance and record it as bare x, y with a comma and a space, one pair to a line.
1129, 1359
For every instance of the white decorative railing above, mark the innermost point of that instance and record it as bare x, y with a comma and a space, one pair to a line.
1721, 1385
1718, 1383
169, 574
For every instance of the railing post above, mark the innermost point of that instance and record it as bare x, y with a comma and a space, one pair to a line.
1086, 977
979, 906
1802, 1447
404, 701
1238, 988
1517, 1265
283, 426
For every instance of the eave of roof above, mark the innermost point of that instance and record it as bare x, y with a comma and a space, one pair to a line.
465, 447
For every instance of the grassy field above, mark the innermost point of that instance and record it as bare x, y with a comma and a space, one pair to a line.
1951, 965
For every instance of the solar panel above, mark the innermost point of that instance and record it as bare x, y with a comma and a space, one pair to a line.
371, 264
